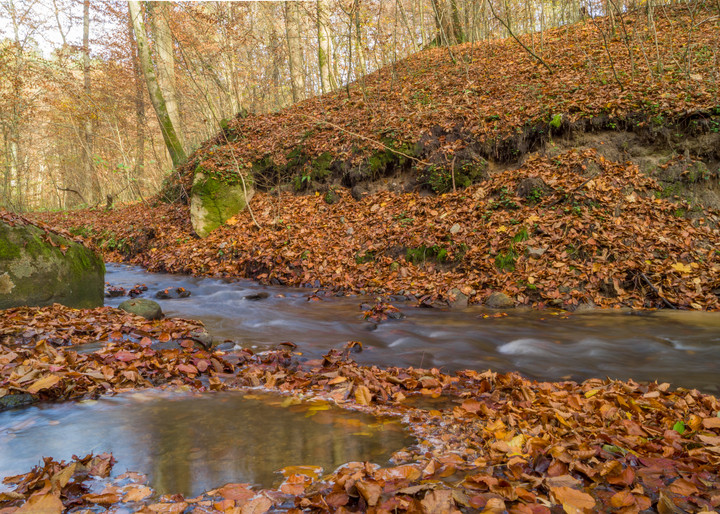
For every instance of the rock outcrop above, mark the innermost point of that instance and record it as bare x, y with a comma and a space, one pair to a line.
213, 202
39, 268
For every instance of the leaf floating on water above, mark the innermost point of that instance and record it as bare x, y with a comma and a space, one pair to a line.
313, 472
259, 505
136, 493
238, 492
42, 503
168, 508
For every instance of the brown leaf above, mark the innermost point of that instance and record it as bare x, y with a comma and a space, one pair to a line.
683, 487
42, 503
236, 492
572, 500
136, 493
258, 505
439, 501
363, 395
370, 490
45, 382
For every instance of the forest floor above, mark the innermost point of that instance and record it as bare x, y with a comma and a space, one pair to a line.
596, 183
549, 208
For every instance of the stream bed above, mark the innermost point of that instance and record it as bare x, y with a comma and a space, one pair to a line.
679, 347
188, 443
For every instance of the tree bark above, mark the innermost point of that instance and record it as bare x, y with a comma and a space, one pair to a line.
87, 155
325, 50
173, 142
138, 168
165, 63
292, 34
359, 45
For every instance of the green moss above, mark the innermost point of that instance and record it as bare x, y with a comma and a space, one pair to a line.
395, 155
7, 249
321, 166
46, 268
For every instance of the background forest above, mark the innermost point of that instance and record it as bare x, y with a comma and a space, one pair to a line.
77, 126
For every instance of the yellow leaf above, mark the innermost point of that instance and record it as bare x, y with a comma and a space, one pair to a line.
591, 393
502, 228
43, 383
232, 221
363, 395
682, 268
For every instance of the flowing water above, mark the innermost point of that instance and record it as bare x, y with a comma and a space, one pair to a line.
191, 443
682, 348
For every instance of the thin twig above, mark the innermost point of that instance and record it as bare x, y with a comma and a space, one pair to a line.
507, 26
657, 293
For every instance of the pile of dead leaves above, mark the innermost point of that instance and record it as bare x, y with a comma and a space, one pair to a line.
42, 357
587, 231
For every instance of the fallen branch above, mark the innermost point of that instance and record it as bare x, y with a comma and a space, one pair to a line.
657, 293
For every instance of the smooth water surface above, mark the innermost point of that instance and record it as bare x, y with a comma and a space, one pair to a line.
682, 348
191, 443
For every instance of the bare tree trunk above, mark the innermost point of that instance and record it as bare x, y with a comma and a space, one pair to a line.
170, 135
162, 36
359, 45
292, 34
325, 50
138, 168
88, 168
13, 170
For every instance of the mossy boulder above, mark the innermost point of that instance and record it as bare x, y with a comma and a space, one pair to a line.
40, 268
213, 201
148, 309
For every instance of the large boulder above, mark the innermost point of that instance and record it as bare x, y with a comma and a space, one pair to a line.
40, 268
213, 202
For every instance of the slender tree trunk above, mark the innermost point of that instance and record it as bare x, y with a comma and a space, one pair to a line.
165, 64
403, 17
139, 167
173, 142
325, 51
359, 45
14, 171
292, 34
88, 168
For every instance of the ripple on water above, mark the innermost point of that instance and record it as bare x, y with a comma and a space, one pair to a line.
679, 347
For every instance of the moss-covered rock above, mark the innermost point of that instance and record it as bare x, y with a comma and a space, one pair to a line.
148, 309
41, 268
213, 201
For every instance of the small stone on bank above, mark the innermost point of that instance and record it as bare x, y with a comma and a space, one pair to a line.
148, 309
499, 301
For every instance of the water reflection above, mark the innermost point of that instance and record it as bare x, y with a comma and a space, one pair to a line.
191, 443
682, 348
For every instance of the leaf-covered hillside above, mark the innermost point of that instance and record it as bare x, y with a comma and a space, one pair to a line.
448, 107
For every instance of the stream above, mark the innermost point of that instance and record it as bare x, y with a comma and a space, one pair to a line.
188, 442
679, 347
